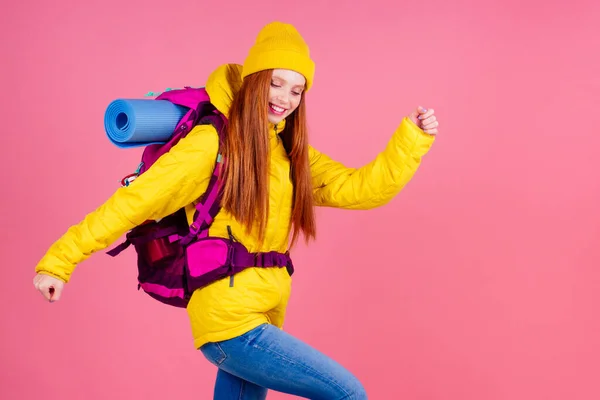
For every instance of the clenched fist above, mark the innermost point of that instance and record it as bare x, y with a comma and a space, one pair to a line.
50, 287
425, 119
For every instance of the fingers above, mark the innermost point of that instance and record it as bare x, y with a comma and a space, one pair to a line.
55, 293
47, 291
431, 125
427, 121
425, 113
50, 288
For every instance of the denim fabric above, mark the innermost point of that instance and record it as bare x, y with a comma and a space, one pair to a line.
269, 358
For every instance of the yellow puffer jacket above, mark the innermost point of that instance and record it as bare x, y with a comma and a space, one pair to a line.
218, 311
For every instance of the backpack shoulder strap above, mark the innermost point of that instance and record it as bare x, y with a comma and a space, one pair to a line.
209, 204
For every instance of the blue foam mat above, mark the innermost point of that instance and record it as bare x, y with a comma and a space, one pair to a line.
140, 122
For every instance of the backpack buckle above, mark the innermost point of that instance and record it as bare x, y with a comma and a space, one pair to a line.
230, 254
194, 228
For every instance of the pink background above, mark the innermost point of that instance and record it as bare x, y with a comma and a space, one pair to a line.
486, 282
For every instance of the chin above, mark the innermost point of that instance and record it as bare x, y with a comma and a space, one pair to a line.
275, 120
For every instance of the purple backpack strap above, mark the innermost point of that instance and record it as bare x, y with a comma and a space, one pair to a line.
118, 249
209, 204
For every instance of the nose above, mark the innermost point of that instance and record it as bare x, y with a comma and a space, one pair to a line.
283, 99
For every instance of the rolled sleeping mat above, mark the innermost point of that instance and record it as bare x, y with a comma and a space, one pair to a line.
140, 122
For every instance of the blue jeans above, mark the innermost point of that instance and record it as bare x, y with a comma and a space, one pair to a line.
269, 358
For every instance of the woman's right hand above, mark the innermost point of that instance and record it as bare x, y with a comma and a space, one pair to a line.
50, 287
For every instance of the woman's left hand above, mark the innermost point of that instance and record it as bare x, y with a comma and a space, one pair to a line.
425, 119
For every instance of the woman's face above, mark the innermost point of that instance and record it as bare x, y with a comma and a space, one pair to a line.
285, 93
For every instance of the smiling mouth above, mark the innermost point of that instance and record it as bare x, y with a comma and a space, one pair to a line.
276, 109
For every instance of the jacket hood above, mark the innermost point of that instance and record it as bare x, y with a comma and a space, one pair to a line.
223, 84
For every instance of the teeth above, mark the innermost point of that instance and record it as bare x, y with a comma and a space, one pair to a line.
278, 109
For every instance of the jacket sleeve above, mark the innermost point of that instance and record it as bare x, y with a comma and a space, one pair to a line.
175, 180
376, 183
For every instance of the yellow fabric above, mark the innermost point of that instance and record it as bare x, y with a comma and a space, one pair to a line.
218, 311
280, 45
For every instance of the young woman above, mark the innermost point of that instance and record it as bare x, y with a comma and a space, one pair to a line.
273, 181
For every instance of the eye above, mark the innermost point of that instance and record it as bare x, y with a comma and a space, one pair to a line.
274, 85
296, 93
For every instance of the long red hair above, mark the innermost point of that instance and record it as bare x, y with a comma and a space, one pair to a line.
246, 149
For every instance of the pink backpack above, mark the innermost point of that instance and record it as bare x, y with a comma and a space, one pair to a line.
174, 258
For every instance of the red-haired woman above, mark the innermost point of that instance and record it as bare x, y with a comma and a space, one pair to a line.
273, 180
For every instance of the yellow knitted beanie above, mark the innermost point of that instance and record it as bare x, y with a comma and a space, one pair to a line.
279, 45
